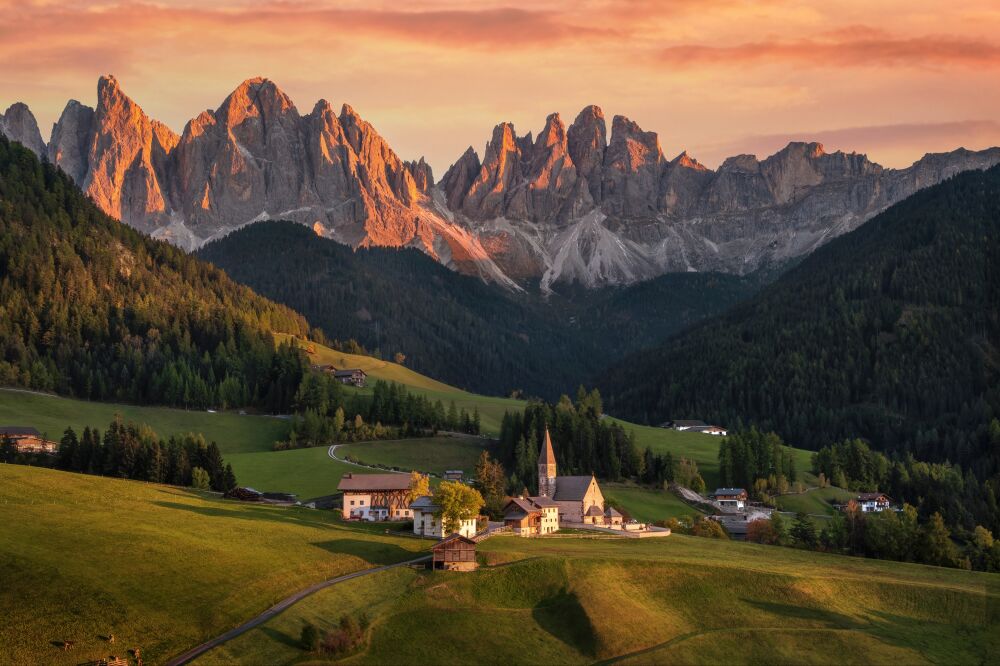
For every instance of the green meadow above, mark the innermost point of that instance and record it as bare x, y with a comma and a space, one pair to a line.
424, 454
678, 600
160, 568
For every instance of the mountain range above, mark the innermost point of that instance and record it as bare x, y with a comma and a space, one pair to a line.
573, 204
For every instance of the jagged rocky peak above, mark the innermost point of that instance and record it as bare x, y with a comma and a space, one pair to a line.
685, 161
587, 139
258, 97
69, 147
422, 174
459, 178
487, 196
127, 160
18, 124
633, 164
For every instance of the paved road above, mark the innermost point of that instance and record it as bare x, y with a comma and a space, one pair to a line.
278, 608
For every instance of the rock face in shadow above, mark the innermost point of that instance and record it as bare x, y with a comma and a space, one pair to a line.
571, 204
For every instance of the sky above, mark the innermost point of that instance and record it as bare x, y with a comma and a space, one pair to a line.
890, 78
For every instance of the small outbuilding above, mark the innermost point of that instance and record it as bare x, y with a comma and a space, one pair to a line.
455, 553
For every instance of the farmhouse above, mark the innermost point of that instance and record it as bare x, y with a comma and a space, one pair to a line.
456, 553
709, 430
873, 502
353, 376
454, 475
731, 498
688, 425
427, 519
27, 440
579, 498
375, 496
531, 516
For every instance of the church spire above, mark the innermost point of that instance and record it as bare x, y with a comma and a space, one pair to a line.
547, 468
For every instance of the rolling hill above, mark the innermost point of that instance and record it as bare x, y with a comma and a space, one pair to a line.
207, 564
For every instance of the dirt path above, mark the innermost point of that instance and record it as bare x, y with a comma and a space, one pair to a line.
278, 608
332, 452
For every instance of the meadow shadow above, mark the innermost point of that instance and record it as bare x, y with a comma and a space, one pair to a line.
375, 552
831, 618
247, 512
563, 616
281, 637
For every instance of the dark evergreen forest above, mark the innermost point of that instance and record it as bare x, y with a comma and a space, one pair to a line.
93, 309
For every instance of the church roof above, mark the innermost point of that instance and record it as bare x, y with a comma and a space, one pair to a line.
594, 510
572, 488
548, 456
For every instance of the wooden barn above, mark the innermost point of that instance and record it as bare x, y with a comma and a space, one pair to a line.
455, 553
376, 496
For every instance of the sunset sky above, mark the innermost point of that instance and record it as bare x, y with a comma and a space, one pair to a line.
891, 78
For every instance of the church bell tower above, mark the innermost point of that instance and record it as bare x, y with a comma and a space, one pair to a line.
547, 468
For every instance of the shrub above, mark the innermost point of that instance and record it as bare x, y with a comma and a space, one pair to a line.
310, 637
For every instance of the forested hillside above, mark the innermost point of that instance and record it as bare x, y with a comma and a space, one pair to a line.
889, 333
456, 328
92, 308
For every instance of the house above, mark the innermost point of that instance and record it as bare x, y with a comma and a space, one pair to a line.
731, 498
456, 553
454, 475
708, 430
27, 440
354, 376
873, 502
375, 496
531, 516
687, 425
427, 521
579, 498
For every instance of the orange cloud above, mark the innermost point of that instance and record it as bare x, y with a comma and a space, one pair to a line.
843, 48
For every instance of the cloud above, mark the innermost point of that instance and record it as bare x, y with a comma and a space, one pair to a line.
850, 47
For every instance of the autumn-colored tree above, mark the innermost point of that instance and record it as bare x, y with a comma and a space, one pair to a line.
419, 486
457, 502
400, 358
492, 479
703, 527
762, 531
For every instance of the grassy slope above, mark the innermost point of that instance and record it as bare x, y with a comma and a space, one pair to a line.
818, 501
645, 504
51, 415
676, 600
159, 567
425, 454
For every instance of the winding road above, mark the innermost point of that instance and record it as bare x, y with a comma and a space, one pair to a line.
279, 607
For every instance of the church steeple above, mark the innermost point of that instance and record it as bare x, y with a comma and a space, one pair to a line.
547, 468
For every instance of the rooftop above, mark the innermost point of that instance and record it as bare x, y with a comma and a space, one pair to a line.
19, 430
729, 491
355, 482
572, 488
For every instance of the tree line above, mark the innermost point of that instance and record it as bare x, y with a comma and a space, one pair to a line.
133, 451
761, 463
326, 413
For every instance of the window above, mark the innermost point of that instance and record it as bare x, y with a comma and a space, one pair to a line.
362, 502
352, 502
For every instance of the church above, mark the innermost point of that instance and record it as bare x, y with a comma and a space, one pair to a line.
579, 497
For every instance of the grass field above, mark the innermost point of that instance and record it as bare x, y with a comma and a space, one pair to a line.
51, 414
679, 600
818, 501
647, 504
162, 568
424, 454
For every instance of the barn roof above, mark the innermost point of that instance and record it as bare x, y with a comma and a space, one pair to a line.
688, 424
520, 506
871, 496
543, 501
19, 430
355, 482
729, 491
455, 536
572, 488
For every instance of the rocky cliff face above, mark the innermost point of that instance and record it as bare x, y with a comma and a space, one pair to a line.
571, 204
576, 206
17, 123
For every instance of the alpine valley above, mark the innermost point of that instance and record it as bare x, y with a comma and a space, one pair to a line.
574, 204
